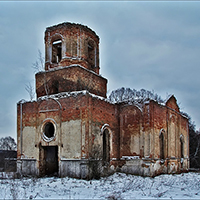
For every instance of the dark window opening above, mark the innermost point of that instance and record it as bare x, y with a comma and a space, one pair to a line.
56, 51
182, 147
106, 146
161, 145
182, 150
49, 130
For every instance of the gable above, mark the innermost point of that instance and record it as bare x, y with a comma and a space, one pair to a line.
172, 103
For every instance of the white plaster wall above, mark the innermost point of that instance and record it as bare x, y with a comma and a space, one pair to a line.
172, 139
135, 144
28, 142
146, 144
97, 146
71, 139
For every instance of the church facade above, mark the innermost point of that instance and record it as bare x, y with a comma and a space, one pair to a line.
73, 130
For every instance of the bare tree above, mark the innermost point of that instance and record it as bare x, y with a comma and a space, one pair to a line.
132, 95
30, 89
39, 67
39, 64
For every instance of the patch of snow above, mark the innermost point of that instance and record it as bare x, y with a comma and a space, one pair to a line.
168, 97
64, 95
130, 157
22, 101
73, 65
72, 94
117, 186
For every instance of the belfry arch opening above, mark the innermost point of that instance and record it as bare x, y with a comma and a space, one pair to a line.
106, 146
56, 51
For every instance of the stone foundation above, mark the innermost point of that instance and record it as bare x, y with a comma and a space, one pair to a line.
27, 167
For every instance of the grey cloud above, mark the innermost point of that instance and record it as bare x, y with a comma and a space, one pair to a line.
152, 45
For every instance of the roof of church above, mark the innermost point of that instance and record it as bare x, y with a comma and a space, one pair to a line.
69, 25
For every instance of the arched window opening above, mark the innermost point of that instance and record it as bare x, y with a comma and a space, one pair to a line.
91, 53
106, 146
56, 51
182, 146
55, 87
162, 150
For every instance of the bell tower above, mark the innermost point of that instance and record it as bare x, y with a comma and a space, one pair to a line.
67, 44
71, 61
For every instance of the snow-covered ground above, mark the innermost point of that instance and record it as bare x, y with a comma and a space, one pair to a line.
117, 186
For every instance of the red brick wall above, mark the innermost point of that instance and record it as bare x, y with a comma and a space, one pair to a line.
158, 115
130, 123
71, 79
172, 103
28, 118
91, 110
72, 34
126, 122
101, 113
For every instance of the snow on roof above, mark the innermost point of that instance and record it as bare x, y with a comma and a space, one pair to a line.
135, 102
69, 24
65, 67
64, 95
74, 94
22, 101
168, 97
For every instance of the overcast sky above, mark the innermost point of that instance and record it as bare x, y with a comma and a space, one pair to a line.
150, 45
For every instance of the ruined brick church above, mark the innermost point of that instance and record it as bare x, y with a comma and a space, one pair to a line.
73, 130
